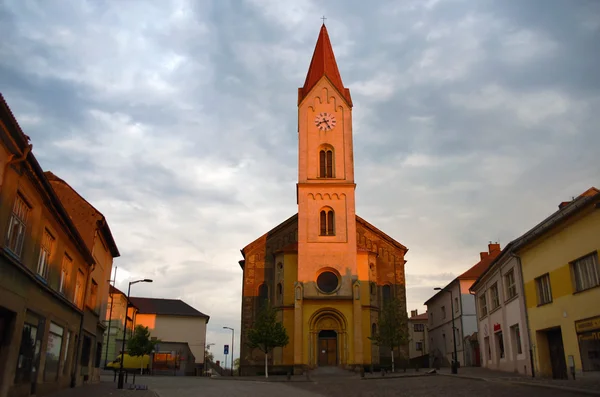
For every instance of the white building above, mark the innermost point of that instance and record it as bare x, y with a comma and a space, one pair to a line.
455, 301
502, 323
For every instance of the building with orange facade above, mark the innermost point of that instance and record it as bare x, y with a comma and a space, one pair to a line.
325, 269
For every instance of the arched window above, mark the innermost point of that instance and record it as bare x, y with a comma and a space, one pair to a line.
373, 330
326, 163
327, 222
386, 293
279, 293
263, 295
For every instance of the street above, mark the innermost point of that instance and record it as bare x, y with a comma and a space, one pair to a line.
436, 385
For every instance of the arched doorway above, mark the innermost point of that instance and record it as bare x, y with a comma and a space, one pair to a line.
328, 344
327, 348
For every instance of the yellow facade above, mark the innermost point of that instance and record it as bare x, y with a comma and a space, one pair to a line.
554, 253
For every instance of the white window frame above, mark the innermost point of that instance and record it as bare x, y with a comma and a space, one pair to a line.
511, 284
543, 288
45, 254
483, 305
495, 295
67, 265
586, 272
18, 225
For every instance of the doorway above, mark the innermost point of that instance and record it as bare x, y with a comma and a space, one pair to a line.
557, 354
6, 326
327, 348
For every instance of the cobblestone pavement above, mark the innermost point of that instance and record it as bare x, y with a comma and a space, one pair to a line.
434, 385
591, 383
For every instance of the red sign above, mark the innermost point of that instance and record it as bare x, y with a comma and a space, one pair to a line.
497, 327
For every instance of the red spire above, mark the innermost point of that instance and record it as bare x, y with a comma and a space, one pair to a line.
323, 64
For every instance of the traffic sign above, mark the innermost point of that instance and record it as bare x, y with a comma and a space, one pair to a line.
226, 349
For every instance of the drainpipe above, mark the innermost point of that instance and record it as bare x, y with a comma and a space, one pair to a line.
79, 341
531, 359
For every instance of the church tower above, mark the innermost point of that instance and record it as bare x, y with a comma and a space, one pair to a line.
327, 271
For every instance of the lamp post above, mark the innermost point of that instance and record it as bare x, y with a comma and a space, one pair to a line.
232, 335
454, 360
146, 280
206, 347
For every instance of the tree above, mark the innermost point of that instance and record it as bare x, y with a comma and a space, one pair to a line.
267, 333
393, 327
236, 364
209, 356
141, 344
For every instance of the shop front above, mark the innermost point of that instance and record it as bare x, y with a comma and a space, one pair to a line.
588, 335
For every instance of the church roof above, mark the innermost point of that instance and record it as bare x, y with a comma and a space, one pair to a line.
323, 64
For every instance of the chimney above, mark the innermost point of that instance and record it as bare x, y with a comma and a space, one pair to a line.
493, 247
413, 313
483, 255
563, 204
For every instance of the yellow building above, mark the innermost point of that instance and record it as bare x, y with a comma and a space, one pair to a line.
326, 270
561, 276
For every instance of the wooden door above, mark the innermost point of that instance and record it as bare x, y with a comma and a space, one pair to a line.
327, 352
557, 354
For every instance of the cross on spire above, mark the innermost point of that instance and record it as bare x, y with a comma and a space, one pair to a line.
323, 18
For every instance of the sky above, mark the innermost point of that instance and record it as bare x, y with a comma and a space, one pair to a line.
177, 119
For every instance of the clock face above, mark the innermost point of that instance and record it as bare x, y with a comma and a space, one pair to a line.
325, 121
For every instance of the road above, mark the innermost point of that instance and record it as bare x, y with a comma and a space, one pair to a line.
438, 386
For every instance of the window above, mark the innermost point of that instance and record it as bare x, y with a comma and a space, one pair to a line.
326, 163
78, 296
419, 346
53, 347
279, 293
17, 226
483, 305
500, 343
418, 327
456, 305
27, 353
328, 282
373, 288
511, 286
373, 329
45, 253
263, 295
65, 368
93, 297
327, 223
386, 294
544, 292
443, 312
67, 265
495, 296
516, 333
86, 352
585, 272
488, 348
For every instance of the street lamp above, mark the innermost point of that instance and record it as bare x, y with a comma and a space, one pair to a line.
232, 334
454, 360
206, 347
146, 280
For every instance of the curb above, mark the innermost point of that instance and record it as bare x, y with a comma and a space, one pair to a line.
532, 384
242, 379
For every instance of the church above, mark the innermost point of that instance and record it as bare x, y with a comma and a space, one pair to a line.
326, 270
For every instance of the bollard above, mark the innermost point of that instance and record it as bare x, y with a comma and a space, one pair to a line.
289, 375
362, 372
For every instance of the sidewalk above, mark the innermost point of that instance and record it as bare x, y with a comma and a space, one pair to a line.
589, 386
102, 389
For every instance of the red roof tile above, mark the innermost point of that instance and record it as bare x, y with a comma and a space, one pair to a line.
323, 64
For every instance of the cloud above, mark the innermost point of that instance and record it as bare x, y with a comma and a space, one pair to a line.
177, 119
